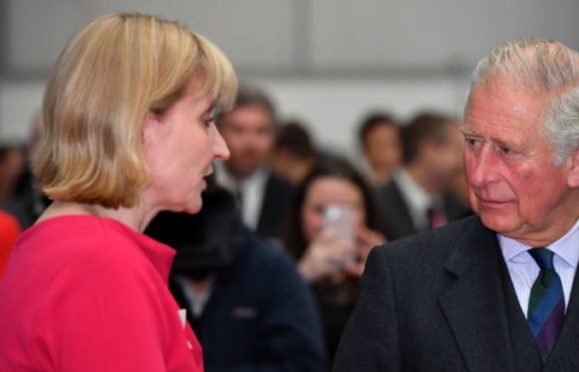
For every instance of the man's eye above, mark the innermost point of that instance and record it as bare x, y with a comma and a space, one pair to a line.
505, 150
471, 142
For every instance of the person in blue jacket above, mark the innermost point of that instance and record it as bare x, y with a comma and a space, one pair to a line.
244, 297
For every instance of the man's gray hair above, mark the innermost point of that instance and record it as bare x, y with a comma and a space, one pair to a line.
541, 66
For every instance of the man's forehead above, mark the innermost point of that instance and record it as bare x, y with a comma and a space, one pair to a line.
247, 118
506, 105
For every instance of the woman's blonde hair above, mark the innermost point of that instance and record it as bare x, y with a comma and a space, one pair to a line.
114, 72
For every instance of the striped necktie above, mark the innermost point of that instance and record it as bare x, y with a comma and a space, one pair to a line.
547, 302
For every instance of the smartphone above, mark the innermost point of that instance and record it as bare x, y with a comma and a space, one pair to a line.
340, 218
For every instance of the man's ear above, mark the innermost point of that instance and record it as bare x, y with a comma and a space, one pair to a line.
573, 175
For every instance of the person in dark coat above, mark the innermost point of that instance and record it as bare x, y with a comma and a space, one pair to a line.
244, 298
418, 196
497, 291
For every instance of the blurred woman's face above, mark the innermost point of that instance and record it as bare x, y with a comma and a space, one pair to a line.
326, 191
180, 147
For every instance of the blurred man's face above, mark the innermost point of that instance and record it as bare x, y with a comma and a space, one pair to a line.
444, 160
513, 183
382, 148
249, 133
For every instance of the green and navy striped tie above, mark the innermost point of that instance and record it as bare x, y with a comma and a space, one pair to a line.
547, 302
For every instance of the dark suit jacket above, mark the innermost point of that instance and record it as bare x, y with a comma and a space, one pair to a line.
397, 222
444, 301
276, 199
261, 316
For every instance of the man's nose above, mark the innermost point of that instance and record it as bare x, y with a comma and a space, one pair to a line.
483, 167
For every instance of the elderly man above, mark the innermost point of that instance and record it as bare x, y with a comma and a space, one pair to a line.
496, 291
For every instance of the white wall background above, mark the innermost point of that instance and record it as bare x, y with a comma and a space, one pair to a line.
331, 109
324, 61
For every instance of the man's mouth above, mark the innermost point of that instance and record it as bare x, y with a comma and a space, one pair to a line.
493, 202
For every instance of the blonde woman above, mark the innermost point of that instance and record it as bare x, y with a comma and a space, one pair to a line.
128, 131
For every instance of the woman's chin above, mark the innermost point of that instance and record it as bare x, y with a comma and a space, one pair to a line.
189, 203
194, 206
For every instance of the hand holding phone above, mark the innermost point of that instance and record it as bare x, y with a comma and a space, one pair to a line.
340, 219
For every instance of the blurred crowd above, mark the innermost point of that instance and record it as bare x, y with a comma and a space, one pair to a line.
269, 269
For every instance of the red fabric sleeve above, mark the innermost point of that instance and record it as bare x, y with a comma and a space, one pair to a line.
104, 316
9, 232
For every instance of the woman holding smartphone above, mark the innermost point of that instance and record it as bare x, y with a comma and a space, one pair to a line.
128, 131
330, 232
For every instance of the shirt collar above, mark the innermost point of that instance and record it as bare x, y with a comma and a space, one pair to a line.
225, 179
567, 247
418, 199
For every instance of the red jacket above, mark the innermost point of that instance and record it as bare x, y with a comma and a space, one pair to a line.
9, 231
83, 293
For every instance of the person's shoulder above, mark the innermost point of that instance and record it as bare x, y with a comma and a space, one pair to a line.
72, 258
388, 186
264, 260
256, 251
434, 245
278, 182
83, 242
389, 190
419, 264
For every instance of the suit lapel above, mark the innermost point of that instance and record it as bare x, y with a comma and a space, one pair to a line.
277, 194
265, 208
564, 356
265, 221
402, 223
474, 303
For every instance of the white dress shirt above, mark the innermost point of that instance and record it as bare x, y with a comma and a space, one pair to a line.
417, 200
252, 190
524, 270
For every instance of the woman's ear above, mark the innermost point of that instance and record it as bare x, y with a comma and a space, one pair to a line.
153, 128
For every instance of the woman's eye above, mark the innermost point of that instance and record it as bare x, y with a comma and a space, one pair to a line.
208, 122
215, 113
210, 118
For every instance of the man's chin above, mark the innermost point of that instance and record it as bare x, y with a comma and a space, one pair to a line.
500, 223
245, 170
